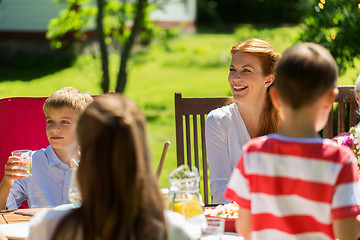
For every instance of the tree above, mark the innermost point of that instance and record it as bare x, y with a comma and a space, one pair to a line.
129, 43
335, 24
103, 49
112, 18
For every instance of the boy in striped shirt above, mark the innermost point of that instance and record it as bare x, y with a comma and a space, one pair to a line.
294, 184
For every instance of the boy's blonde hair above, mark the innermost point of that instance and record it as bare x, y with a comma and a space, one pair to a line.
67, 97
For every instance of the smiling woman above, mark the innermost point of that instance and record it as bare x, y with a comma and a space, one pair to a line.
251, 114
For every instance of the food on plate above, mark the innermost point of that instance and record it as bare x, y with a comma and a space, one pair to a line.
228, 210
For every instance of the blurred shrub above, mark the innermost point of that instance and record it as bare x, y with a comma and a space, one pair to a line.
335, 25
251, 11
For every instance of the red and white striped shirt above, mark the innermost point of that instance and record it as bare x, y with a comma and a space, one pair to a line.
295, 187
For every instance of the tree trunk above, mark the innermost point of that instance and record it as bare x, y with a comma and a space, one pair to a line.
126, 50
104, 53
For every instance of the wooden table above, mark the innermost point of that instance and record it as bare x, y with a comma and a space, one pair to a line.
8, 216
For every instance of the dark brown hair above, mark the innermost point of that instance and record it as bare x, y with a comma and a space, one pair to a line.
304, 73
269, 58
121, 198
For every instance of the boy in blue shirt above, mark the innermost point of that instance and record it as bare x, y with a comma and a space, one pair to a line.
51, 170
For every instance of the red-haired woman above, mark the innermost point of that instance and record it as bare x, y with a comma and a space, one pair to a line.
251, 114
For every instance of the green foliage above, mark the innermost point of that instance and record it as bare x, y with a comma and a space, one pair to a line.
118, 24
251, 11
116, 14
335, 24
79, 15
72, 21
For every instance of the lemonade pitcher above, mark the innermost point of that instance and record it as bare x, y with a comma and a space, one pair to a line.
184, 195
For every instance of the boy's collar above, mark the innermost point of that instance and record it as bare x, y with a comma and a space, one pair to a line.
295, 139
53, 159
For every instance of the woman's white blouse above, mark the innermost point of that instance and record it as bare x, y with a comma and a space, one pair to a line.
226, 134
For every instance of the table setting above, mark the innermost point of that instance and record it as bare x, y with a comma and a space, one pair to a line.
213, 222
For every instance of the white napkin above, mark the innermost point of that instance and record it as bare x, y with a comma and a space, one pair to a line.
15, 230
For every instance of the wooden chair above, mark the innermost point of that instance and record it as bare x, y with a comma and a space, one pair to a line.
190, 116
346, 113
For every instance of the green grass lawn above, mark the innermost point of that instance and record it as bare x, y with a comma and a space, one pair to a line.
196, 65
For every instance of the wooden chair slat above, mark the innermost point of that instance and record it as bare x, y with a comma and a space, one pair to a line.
353, 107
188, 140
328, 131
179, 129
341, 117
196, 142
204, 156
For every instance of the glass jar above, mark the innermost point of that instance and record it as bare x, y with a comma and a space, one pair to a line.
185, 198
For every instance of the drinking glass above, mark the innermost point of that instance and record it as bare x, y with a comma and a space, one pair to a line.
74, 191
25, 157
213, 228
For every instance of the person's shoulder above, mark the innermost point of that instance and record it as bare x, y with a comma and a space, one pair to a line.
43, 224
49, 216
39, 157
224, 112
38, 153
257, 143
340, 152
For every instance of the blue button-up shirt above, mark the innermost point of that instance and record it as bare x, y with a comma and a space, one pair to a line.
48, 185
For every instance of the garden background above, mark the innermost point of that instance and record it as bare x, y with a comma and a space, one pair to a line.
194, 64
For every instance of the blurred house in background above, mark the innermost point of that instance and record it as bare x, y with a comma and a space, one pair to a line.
23, 23
176, 13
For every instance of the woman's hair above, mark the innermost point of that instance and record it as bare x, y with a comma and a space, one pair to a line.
120, 195
269, 58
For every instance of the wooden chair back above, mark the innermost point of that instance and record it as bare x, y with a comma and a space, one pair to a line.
346, 113
190, 116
